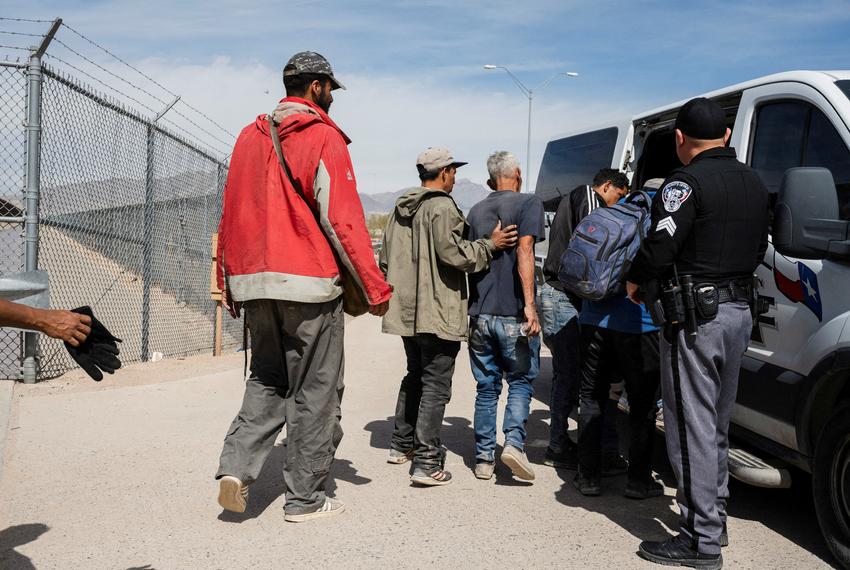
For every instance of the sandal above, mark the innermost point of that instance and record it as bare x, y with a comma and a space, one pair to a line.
432, 479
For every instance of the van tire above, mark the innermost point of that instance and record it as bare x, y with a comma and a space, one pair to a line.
831, 483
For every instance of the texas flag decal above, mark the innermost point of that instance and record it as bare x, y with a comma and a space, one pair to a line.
798, 283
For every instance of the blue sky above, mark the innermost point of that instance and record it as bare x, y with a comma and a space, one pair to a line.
414, 69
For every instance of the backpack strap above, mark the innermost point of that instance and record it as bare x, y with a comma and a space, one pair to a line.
275, 135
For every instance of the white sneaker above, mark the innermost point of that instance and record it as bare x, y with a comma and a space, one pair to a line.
232, 494
330, 508
484, 469
518, 463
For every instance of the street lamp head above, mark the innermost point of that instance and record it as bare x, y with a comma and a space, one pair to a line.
489, 67
571, 74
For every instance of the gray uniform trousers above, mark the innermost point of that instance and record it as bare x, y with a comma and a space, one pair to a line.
296, 379
699, 383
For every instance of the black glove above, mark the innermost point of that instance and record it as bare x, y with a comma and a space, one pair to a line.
99, 351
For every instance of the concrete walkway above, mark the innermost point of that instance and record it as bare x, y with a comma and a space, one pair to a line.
120, 475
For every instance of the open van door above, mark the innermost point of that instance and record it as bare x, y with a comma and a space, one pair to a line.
572, 160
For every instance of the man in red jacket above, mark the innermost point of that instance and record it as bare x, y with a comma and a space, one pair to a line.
282, 267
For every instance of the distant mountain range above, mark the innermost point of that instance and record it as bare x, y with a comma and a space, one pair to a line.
465, 193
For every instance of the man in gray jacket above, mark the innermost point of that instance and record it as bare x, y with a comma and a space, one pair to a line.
425, 256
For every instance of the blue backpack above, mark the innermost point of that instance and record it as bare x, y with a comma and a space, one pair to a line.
603, 246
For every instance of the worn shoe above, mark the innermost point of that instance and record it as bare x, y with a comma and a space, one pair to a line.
587, 486
566, 459
643, 489
484, 469
431, 479
674, 552
331, 508
397, 457
232, 494
518, 463
613, 465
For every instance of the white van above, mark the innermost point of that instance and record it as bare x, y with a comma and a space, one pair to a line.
793, 404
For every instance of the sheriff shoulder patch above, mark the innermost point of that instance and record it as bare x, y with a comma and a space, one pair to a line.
674, 194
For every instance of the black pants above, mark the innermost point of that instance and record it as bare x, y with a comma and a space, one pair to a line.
633, 357
422, 398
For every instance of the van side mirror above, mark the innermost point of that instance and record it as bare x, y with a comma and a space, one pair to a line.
806, 222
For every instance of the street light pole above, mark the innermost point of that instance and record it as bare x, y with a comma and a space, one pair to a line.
529, 93
528, 145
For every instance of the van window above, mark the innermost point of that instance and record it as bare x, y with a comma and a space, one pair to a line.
825, 148
795, 133
573, 161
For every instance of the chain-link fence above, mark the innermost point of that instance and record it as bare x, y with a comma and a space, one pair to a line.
13, 112
127, 210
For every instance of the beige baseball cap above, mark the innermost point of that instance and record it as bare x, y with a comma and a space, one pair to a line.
435, 158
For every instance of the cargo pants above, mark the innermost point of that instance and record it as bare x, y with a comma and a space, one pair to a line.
699, 384
296, 379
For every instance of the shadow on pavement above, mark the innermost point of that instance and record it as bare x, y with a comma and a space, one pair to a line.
344, 470
15, 536
788, 512
543, 382
456, 435
382, 431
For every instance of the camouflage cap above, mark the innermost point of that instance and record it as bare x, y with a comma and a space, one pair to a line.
310, 62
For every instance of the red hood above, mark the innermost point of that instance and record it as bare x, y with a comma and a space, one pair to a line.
295, 114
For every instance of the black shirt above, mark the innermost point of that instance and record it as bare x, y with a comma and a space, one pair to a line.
710, 218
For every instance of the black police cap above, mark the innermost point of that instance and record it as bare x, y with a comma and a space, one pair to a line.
702, 118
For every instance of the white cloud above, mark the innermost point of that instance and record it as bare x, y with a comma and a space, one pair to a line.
393, 118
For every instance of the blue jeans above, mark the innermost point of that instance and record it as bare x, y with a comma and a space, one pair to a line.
559, 320
497, 349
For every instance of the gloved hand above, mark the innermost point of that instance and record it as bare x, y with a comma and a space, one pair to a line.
99, 351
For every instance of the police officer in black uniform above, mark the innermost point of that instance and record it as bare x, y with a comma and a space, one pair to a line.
708, 235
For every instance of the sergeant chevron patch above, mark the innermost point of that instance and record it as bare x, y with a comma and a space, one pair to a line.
668, 225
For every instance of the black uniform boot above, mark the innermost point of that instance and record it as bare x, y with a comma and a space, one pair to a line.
674, 552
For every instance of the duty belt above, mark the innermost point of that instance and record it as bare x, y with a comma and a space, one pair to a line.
732, 293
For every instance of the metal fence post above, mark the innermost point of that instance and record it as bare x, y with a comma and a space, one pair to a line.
33, 129
147, 241
147, 232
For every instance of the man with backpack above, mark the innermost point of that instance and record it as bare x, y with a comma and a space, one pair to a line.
425, 256
620, 341
559, 315
504, 340
282, 238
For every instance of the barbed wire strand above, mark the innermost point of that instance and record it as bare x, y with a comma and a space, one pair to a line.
116, 76
26, 20
145, 91
21, 34
100, 81
131, 98
148, 77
